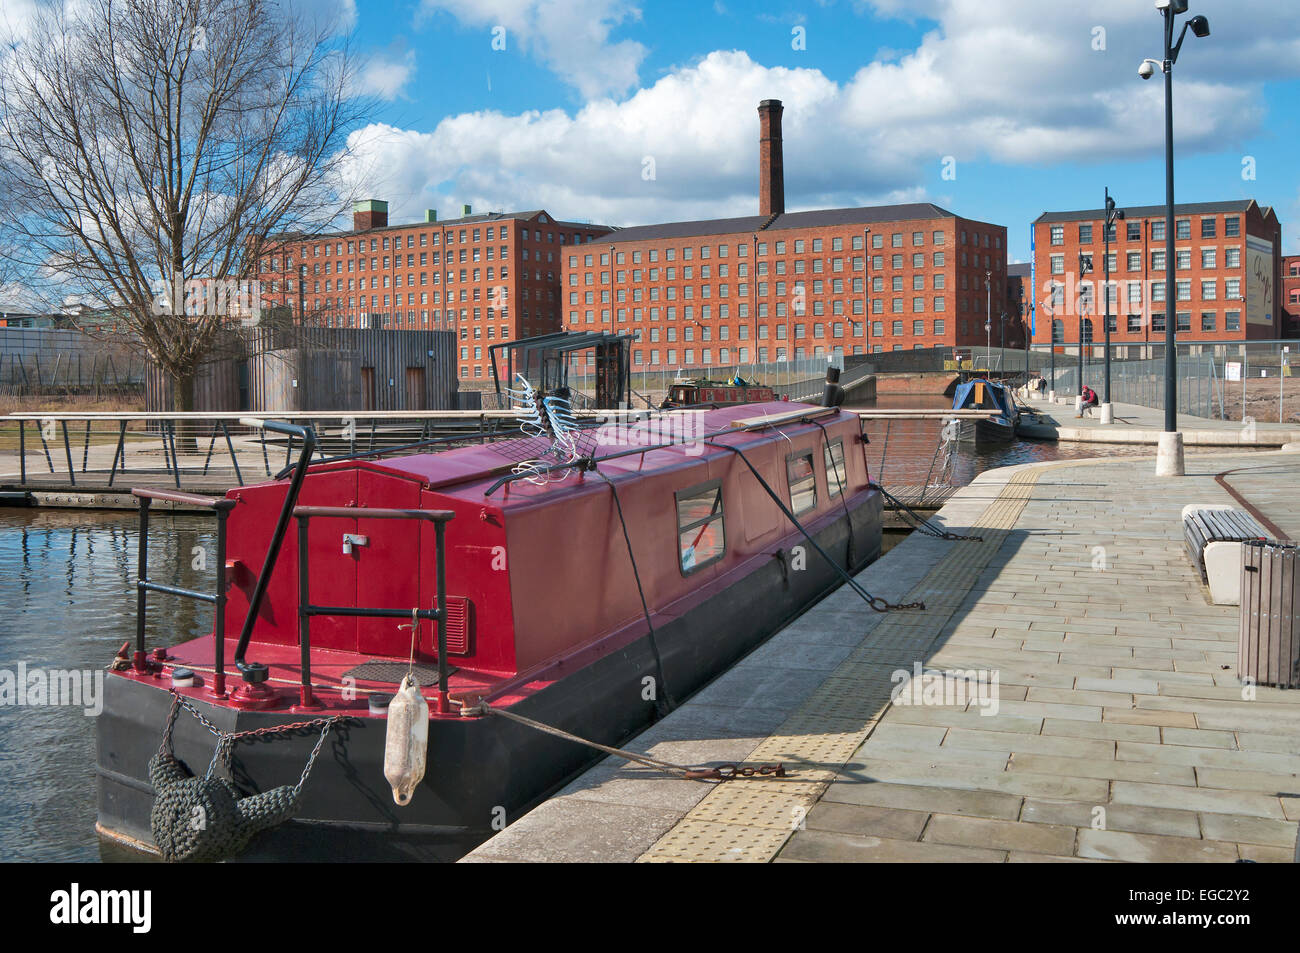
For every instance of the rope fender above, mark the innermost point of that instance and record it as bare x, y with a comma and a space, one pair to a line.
204, 819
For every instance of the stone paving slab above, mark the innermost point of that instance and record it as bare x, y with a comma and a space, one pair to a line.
1121, 732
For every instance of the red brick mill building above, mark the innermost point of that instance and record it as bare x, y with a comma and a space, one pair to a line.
1228, 274
1291, 294
781, 285
489, 277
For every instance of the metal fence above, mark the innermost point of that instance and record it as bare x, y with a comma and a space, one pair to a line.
54, 361
1220, 381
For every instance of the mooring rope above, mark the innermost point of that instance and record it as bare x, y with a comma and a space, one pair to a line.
877, 603
919, 523
724, 772
665, 704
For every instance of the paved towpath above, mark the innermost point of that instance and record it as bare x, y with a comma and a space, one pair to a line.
1137, 424
1121, 730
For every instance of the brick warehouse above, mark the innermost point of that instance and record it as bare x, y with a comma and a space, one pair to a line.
489, 277
1228, 270
781, 284
1291, 294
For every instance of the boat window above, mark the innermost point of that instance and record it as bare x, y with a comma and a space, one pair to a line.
701, 538
803, 483
836, 476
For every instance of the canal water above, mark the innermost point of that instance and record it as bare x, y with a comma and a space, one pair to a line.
67, 603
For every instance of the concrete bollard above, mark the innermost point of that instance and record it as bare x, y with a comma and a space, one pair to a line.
1169, 455
1051, 396
1078, 406
1107, 413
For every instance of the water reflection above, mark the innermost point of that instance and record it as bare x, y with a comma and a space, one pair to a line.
66, 588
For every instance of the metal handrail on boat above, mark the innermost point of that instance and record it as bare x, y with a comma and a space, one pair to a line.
255, 672
221, 507
439, 519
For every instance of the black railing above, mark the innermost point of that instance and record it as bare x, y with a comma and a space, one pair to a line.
255, 672
306, 609
222, 508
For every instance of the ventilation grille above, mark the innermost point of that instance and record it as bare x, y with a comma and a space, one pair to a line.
460, 624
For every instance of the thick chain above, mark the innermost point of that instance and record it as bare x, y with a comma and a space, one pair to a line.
226, 739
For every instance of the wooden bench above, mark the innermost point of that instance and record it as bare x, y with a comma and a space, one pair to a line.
1213, 534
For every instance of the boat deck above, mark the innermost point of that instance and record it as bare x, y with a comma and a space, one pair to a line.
333, 688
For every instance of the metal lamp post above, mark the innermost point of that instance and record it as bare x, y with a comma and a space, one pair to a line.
1085, 268
1112, 215
988, 321
1169, 456
1051, 348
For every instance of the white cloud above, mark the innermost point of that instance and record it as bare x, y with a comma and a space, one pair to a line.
569, 37
385, 75
1012, 81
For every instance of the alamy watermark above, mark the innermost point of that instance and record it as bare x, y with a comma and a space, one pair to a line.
946, 688
40, 688
208, 297
683, 427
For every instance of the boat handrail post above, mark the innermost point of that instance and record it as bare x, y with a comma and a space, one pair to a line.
305, 698
141, 593
252, 672
306, 609
440, 561
221, 507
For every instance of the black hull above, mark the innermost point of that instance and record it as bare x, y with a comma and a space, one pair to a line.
480, 770
993, 432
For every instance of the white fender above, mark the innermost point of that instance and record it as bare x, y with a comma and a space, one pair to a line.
406, 745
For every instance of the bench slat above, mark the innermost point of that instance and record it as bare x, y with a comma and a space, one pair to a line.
1202, 527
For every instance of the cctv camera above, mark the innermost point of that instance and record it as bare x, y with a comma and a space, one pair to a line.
1146, 70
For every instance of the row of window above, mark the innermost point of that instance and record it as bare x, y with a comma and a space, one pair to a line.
1156, 229
1133, 291
701, 515
1135, 323
434, 237
799, 266
1133, 259
797, 307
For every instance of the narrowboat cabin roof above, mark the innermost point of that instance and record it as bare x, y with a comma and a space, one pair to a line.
468, 473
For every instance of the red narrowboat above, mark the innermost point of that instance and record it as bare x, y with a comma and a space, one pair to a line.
706, 393
588, 595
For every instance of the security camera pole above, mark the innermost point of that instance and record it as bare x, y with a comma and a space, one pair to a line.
1169, 455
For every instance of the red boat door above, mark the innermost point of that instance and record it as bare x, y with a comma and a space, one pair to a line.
387, 566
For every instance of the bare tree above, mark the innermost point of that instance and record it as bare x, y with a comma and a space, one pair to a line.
148, 148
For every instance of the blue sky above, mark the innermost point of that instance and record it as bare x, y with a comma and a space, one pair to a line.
1036, 106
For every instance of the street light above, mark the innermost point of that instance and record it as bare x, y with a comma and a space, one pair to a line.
1111, 216
1081, 300
1169, 455
988, 320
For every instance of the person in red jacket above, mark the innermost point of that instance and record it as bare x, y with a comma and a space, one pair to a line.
1089, 400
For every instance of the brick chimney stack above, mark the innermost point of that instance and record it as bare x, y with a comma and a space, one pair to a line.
771, 167
368, 214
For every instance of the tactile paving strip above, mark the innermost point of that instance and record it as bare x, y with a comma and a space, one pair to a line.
750, 820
